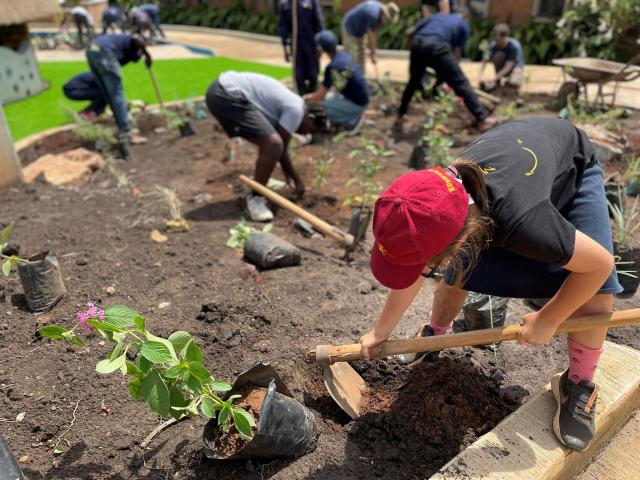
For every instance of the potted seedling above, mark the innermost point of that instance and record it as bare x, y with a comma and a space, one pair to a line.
626, 220
370, 155
178, 121
95, 137
40, 275
433, 145
254, 417
632, 177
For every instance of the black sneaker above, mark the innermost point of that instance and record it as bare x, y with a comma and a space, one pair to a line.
407, 358
574, 423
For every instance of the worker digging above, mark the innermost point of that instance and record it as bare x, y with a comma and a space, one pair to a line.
521, 214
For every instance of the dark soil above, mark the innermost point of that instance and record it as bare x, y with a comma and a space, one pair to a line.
421, 417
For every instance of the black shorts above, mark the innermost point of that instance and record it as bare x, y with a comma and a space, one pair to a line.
238, 116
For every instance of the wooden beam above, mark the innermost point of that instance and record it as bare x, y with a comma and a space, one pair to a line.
10, 169
524, 447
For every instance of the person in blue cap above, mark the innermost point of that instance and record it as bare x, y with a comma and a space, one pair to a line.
111, 17
344, 92
310, 22
153, 11
105, 55
84, 86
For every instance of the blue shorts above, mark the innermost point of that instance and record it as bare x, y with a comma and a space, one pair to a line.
506, 274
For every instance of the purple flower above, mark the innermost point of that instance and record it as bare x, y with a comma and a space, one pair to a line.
91, 313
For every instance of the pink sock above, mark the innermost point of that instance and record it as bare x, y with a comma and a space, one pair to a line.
437, 329
583, 361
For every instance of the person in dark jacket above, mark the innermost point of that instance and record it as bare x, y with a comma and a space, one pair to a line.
111, 17
106, 54
310, 22
438, 42
154, 14
84, 86
141, 23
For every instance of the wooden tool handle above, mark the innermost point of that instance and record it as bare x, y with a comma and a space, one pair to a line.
346, 353
318, 224
155, 86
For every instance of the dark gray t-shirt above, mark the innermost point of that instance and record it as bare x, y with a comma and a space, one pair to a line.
533, 168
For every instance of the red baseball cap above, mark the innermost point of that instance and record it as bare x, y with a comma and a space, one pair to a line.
416, 218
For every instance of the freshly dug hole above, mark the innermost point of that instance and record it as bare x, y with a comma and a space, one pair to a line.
433, 411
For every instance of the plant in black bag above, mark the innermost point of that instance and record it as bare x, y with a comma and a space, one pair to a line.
625, 222
8, 261
166, 373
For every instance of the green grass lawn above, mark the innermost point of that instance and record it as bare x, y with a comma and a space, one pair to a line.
177, 79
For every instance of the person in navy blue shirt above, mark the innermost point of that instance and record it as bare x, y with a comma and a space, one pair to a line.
348, 100
84, 86
310, 22
106, 54
438, 42
113, 16
153, 11
364, 20
508, 60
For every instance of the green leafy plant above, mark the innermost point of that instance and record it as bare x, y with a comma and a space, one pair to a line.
370, 155
581, 114
321, 170
243, 232
166, 373
632, 173
626, 220
174, 120
433, 141
92, 132
8, 261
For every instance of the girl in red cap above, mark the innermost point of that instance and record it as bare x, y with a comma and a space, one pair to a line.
522, 213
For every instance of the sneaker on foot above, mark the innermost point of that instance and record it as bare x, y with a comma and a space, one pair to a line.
574, 423
258, 209
407, 358
356, 128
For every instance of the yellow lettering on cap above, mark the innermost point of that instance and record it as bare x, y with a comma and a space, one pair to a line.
447, 181
382, 250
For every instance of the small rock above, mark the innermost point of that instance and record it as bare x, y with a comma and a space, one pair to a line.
20, 416
364, 287
304, 227
159, 129
164, 305
158, 237
81, 262
53, 408
110, 290
201, 198
24, 459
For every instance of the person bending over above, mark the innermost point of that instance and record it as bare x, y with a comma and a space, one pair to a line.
105, 55
521, 213
263, 111
438, 42
362, 21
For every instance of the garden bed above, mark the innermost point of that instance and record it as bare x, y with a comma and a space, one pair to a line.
419, 418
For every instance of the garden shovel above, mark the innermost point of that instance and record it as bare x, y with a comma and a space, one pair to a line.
349, 390
155, 86
323, 227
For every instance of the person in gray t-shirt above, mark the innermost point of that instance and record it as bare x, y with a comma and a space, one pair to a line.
263, 111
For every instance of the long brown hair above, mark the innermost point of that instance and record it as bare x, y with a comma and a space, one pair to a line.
478, 228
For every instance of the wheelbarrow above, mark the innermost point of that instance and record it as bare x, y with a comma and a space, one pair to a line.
587, 70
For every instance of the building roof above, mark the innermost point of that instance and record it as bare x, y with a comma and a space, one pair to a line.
23, 11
